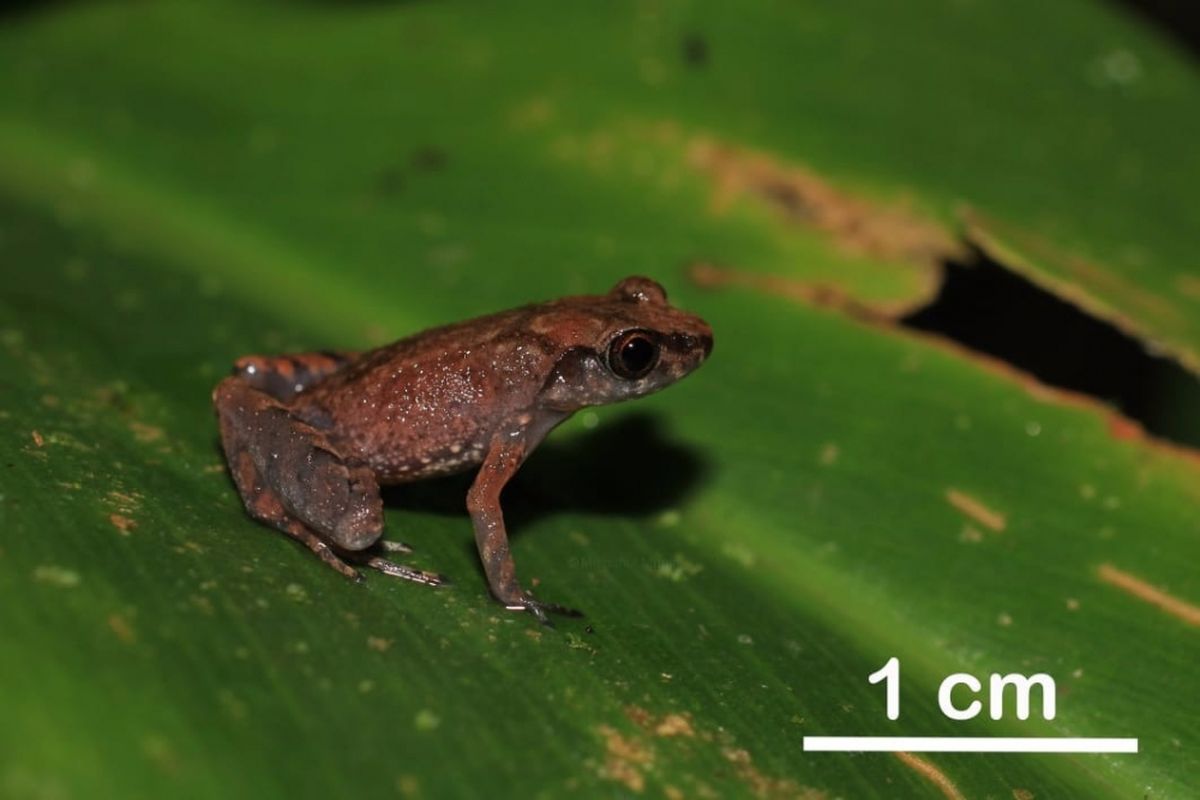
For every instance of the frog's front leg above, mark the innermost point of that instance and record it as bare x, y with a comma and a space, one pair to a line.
508, 451
292, 478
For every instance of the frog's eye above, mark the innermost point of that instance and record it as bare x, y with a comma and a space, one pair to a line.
632, 355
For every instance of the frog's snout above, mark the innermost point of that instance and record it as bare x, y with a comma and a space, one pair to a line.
700, 342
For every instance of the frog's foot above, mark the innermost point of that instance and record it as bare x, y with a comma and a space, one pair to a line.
541, 610
399, 570
394, 547
322, 549
341, 560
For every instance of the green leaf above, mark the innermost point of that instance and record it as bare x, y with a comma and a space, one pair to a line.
182, 184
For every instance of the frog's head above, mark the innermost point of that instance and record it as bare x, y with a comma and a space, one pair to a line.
633, 343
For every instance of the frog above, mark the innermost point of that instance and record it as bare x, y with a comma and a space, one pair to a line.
310, 437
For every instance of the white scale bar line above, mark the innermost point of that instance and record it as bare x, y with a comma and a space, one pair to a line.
967, 744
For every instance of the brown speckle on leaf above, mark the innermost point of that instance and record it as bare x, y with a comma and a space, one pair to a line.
675, 725
930, 772
1148, 593
121, 628
975, 509
378, 644
144, 433
37, 438
122, 523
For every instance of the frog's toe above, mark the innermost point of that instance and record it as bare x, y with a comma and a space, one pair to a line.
407, 573
323, 551
394, 547
542, 610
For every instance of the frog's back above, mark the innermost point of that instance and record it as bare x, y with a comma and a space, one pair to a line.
428, 404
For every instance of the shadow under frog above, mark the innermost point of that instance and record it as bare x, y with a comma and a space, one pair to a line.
628, 467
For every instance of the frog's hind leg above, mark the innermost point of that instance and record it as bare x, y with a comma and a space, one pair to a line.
291, 478
284, 377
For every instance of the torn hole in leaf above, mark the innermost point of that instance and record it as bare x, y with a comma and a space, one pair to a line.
985, 308
977, 298
990, 309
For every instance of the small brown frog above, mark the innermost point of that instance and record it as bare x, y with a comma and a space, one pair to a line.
311, 437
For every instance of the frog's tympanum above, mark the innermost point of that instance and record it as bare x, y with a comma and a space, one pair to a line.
311, 437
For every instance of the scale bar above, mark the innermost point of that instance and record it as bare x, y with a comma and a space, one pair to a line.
968, 744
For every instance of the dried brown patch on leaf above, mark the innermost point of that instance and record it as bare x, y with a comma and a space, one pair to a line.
672, 724
821, 295
122, 523
1148, 593
927, 770
675, 725
121, 628
763, 785
802, 196
625, 759
630, 758
975, 509
1022, 794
